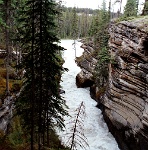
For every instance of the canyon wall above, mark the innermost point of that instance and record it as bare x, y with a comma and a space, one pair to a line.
6, 108
87, 63
125, 102
7, 102
126, 98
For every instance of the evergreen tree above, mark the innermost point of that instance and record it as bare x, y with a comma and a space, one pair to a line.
74, 24
7, 26
84, 23
145, 9
100, 33
40, 104
5, 23
103, 18
94, 25
7, 19
1, 13
74, 28
130, 8
137, 5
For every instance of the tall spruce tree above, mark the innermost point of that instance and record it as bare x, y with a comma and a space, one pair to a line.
40, 104
5, 25
145, 9
130, 8
74, 27
74, 24
101, 37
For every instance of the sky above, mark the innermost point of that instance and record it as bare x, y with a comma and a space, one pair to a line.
95, 4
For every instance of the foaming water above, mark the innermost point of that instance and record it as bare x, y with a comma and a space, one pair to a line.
95, 129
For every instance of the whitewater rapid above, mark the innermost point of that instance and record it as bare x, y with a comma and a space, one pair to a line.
95, 129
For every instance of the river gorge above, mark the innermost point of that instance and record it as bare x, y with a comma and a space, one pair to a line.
95, 129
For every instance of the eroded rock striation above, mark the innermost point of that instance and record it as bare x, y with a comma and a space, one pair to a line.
125, 102
6, 108
126, 98
87, 63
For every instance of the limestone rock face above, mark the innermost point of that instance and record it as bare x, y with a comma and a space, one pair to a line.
87, 63
126, 98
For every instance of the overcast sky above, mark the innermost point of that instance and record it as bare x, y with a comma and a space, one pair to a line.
94, 4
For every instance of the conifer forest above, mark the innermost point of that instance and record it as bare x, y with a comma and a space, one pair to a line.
31, 67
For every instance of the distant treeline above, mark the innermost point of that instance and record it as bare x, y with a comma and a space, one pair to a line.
85, 18
81, 10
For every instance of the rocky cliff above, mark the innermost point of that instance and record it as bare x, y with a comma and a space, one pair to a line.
7, 102
87, 63
6, 112
126, 98
125, 102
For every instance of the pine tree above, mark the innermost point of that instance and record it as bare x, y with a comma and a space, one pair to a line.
40, 104
100, 32
74, 28
5, 21
101, 35
130, 8
7, 25
1, 13
145, 9
74, 24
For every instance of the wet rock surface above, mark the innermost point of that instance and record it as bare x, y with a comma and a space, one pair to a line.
6, 112
87, 63
125, 102
126, 99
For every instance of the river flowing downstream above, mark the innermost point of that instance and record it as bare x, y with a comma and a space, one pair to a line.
95, 129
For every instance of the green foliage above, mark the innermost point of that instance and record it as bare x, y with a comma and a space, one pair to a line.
4, 143
1, 13
94, 25
101, 70
99, 31
130, 8
18, 139
40, 105
17, 136
14, 84
145, 9
99, 26
104, 57
74, 23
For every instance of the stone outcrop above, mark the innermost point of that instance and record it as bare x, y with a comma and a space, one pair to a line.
126, 99
125, 102
87, 63
6, 112
7, 103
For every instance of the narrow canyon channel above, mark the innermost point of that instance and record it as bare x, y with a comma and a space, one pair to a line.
95, 129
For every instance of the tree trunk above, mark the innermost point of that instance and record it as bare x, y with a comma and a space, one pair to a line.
33, 82
7, 5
